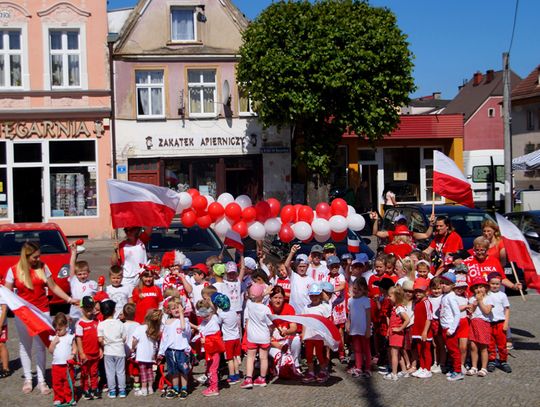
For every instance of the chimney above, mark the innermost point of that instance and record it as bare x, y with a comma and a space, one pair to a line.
490, 75
436, 95
477, 78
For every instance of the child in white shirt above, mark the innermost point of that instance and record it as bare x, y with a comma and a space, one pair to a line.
499, 317
79, 284
63, 349
117, 291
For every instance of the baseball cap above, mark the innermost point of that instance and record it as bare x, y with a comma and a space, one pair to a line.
360, 258
346, 256
221, 301
218, 269
402, 230
329, 246
314, 289
421, 284
302, 258
256, 290
327, 287
384, 283
449, 277
407, 285
250, 263
187, 264
231, 267
461, 281
399, 218
203, 268
317, 248
332, 260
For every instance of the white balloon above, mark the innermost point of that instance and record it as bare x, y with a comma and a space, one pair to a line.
209, 199
222, 226
302, 230
320, 227
356, 222
338, 223
244, 201
225, 198
256, 231
272, 226
351, 210
184, 202
322, 238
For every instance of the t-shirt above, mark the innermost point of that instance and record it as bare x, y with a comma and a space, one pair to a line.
449, 243
230, 327
299, 292
477, 313
78, 291
462, 301
145, 299
422, 313
146, 346
484, 268
285, 283
235, 295
324, 310
120, 295
196, 293
131, 256
209, 326
337, 301
36, 296
357, 314
400, 250
450, 313
129, 327
258, 322
373, 290
62, 351
436, 306
395, 319
221, 287
114, 335
173, 337
499, 300
317, 273
87, 331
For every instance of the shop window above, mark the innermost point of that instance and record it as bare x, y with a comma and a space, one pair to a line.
10, 59
64, 152
150, 94
183, 24
27, 152
202, 93
204, 177
402, 173
177, 175
65, 56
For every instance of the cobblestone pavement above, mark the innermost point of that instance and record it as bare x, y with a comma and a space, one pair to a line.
520, 388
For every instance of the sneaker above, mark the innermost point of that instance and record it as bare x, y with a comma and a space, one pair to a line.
482, 373
435, 369
247, 383
183, 394
472, 371
505, 367
403, 374
202, 379
122, 394
309, 378
343, 360
491, 366
87, 395
426, 374
455, 377
233, 379
210, 392
56, 403
417, 373
322, 377
260, 381
391, 376
96, 394
383, 370
449, 373
354, 372
112, 394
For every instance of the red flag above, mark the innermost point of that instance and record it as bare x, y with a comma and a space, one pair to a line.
518, 251
449, 181
139, 204
35, 321
233, 239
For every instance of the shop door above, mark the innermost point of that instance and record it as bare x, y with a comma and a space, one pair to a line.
367, 191
27, 195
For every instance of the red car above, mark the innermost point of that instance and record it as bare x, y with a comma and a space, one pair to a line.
55, 253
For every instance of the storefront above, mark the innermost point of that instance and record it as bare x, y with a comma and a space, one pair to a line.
56, 171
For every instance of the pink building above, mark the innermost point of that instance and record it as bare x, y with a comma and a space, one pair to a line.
55, 146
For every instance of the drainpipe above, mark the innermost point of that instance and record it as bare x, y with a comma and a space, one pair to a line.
113, 115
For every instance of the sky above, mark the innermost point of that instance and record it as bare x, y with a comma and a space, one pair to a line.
451, 39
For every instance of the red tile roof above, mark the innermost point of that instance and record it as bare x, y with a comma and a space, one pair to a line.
528, 87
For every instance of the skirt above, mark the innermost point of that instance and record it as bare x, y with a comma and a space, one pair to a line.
480, 331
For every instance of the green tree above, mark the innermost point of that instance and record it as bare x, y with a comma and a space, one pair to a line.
325, 68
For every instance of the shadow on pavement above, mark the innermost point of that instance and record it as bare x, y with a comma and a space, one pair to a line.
369, 392
522, 332
331, 381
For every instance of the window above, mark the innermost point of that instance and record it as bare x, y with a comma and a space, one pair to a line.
183, 24
491, 112
150, 94
202, 93
65, 56
530, 122
10, 59
482, 173
73, 178
245, 103
3, 181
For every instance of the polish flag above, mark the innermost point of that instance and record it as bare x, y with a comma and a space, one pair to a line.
449, 181
139, 204
519, 252
36, 322
353, 243
233, 239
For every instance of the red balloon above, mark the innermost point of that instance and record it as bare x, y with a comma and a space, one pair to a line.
215, 210
199, 203
288, 214
263, 211
249, 214
189, 218
297, 208
323, 210
305, 213
233, 211
241, 228
339, 207
204, 222
275, 206
338, 237
286, 233
193, 192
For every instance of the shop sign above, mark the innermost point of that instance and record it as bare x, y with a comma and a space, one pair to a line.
200, 142
51, 129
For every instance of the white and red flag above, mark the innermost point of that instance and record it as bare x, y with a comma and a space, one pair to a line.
353, 242
449, 181
233, 239
139, 204
519, 252
36, 322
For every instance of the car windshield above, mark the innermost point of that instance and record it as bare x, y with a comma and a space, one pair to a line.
51, 241
466, 224
182, 238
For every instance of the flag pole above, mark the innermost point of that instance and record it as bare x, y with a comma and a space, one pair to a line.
517, 280
433, 204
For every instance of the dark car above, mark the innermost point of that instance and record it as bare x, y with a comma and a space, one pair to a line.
196, 243
529, 224
467, 222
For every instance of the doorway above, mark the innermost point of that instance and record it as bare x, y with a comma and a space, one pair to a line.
27, 195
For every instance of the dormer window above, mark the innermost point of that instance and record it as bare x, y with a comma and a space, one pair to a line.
183, 24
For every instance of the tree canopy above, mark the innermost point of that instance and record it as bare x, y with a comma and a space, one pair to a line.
326, 68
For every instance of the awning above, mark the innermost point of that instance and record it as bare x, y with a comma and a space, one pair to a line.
527, 162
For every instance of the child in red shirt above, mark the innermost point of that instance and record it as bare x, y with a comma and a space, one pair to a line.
421, 329
397, 323
146, 296
88, 347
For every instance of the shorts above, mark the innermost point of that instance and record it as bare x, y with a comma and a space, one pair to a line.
4, 334
255, 346
462, 331
436, 327
480, 331
396, 339
232, 348
178, 361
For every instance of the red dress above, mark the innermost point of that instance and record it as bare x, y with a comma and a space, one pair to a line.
396, 339
145, 299
422, 313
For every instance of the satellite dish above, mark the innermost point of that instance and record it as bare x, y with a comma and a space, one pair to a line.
226, 92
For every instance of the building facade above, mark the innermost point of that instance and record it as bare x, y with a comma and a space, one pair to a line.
182, 121
54, 114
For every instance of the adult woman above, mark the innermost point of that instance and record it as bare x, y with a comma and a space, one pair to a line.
130, 253
31, 277
491, 231
446, 241
285, 337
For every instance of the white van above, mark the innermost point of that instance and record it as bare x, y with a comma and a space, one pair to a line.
477, 166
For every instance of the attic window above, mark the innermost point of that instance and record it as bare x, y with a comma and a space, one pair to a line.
183, 23
491, 112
